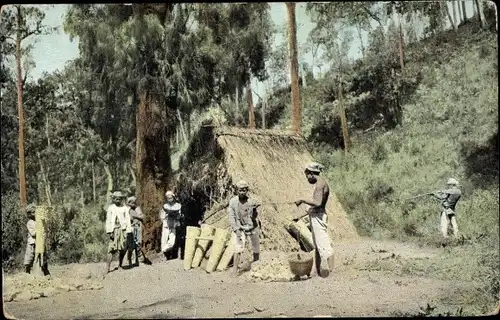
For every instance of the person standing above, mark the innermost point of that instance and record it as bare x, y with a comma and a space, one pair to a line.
318, 217
170, 215
242, 213
449, 198
30, 254
117, 226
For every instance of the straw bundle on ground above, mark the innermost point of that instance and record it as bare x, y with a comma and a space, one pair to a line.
272, 162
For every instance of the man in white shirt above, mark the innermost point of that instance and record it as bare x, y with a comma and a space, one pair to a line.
170, 215
117, 226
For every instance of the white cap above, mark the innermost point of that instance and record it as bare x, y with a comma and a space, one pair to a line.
314, 167
118, 194
242, 184
169, 194
452, 181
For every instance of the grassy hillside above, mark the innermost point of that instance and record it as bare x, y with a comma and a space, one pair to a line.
449, 129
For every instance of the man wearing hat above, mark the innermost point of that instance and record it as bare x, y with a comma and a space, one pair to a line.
449, 198
318, 218
242, 212
170, 215
117, 226
29, 255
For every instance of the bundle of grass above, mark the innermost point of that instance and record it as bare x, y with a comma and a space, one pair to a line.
272, 162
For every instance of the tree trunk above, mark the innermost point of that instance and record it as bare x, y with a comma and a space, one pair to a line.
474, 8
480, 10
251, 115
294, 68
188, 125
47, 130
464, 11
110, 183
48, 196
401, 48
82, 187
181, 123
459, 13
454, 12
94, 192
358, 29
22, 174
237, 106
449, 15
153, 165
177, 136
264, 108
134, 178
343, 120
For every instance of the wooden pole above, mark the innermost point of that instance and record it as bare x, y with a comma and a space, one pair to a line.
294, 68
464, 11
22, 173
401, 49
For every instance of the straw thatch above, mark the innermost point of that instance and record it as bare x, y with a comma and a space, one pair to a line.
272, 162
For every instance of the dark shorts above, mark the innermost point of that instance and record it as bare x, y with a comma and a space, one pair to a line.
137, 235
129, 241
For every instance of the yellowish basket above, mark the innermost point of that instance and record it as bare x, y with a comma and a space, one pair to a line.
301, 263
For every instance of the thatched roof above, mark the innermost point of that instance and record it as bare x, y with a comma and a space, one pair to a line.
272, 162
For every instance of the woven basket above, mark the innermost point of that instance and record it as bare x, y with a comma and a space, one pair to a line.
301, 263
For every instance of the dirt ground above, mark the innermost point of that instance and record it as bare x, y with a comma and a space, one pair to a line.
165, 290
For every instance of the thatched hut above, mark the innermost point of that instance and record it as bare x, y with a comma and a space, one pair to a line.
272, 162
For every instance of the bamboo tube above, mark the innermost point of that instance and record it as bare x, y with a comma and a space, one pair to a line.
227, 255
41, 216
217, 249
41, 213
300, 229
190, 247
204, 262
206, 231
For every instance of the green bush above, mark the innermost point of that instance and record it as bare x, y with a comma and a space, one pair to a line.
84, 239
14, 232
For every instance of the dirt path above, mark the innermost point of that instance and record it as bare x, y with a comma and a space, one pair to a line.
165, 290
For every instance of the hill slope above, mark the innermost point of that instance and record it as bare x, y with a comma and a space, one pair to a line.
449, 129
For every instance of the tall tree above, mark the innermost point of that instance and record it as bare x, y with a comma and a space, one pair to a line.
480, 10
251, 115
21, 22
446, 9
180, 57
294, 67
454, 10
464, 11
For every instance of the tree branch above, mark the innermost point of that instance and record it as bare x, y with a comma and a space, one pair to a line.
37, 30
102, 159
374, 17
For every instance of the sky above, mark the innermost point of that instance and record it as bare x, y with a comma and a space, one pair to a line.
51, 52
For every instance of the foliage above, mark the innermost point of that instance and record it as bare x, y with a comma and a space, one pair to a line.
449, 128
80, 122
13, 241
